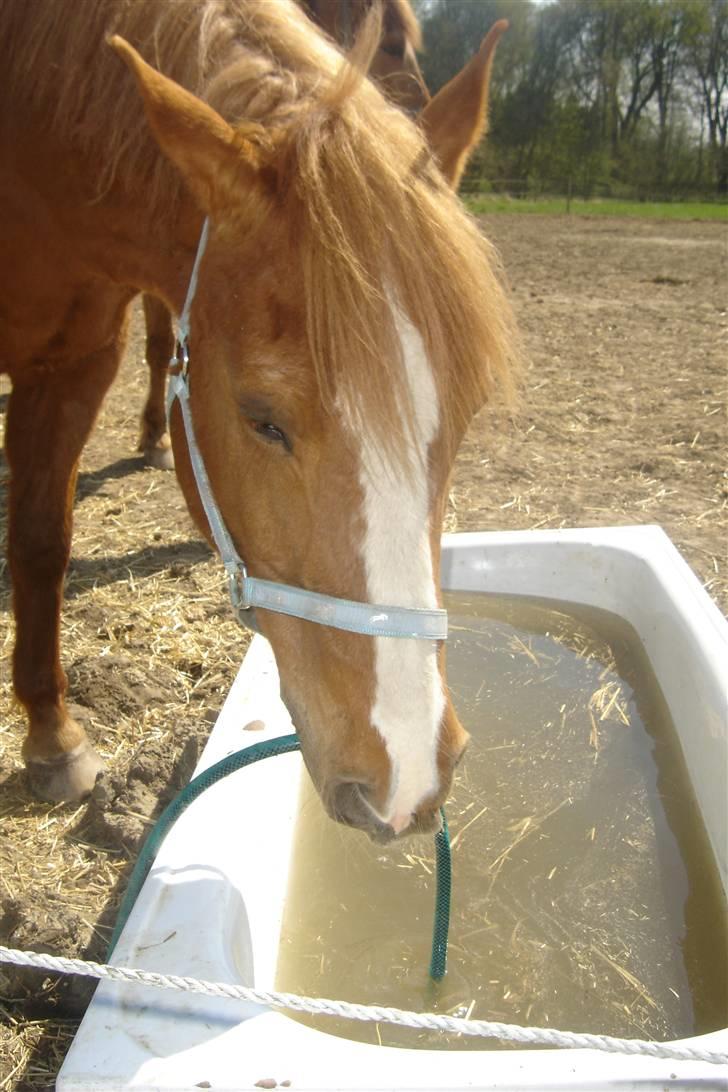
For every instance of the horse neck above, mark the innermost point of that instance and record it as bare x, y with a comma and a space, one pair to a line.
145, 247
84, 149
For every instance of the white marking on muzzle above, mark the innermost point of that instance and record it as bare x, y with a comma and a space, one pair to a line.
409, 700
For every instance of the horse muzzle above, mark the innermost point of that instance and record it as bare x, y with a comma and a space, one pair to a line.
347, 802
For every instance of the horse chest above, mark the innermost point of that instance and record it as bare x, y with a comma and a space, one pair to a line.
52, 318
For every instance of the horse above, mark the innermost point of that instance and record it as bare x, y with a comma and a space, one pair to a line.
395, 68
341, 321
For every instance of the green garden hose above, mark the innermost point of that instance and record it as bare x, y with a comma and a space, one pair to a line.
237, 761
443, 889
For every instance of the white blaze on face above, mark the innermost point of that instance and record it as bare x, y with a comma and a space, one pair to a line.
409, 699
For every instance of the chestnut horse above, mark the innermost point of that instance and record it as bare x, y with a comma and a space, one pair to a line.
347, 322
394, 66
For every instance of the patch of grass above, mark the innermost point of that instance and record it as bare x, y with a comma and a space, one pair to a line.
551, 206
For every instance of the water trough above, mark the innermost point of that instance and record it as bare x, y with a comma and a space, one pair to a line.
213, 904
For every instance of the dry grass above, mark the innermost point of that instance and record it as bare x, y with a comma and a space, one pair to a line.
626, 975
522, 829
32, 1051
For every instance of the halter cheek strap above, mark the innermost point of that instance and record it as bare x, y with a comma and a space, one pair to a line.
247, 592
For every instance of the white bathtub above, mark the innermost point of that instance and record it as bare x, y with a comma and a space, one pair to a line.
212, 906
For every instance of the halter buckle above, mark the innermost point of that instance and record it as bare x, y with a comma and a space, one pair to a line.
236, 585
180, 360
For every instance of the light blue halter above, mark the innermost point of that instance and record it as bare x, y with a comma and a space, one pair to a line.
247, 592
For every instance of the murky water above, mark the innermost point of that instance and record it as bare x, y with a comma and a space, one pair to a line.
584, 893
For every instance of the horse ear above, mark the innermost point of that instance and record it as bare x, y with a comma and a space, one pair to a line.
457, 117
212, 156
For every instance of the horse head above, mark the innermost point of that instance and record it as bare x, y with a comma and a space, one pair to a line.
394, 64
346, 326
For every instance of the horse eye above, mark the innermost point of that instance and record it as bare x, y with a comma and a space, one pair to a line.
393, 46
271, 433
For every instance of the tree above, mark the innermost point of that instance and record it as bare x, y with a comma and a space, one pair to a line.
454, 29
593, 90
707, 37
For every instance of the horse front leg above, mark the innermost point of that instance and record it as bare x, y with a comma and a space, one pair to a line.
154, 441
49, 419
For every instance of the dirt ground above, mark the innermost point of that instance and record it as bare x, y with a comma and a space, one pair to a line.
623, 421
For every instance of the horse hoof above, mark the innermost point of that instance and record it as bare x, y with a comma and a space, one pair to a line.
161, 458
65, 779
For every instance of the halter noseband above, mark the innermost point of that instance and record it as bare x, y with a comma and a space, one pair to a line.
247, 592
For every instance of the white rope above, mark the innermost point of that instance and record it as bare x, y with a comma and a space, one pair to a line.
322, 1006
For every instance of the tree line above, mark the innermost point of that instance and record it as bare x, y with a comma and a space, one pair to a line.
628, 97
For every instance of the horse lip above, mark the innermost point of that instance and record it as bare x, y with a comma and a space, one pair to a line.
383, 836
430, 823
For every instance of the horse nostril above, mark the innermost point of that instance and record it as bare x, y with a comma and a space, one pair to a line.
347, 804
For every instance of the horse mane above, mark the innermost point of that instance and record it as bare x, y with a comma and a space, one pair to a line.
375, 221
